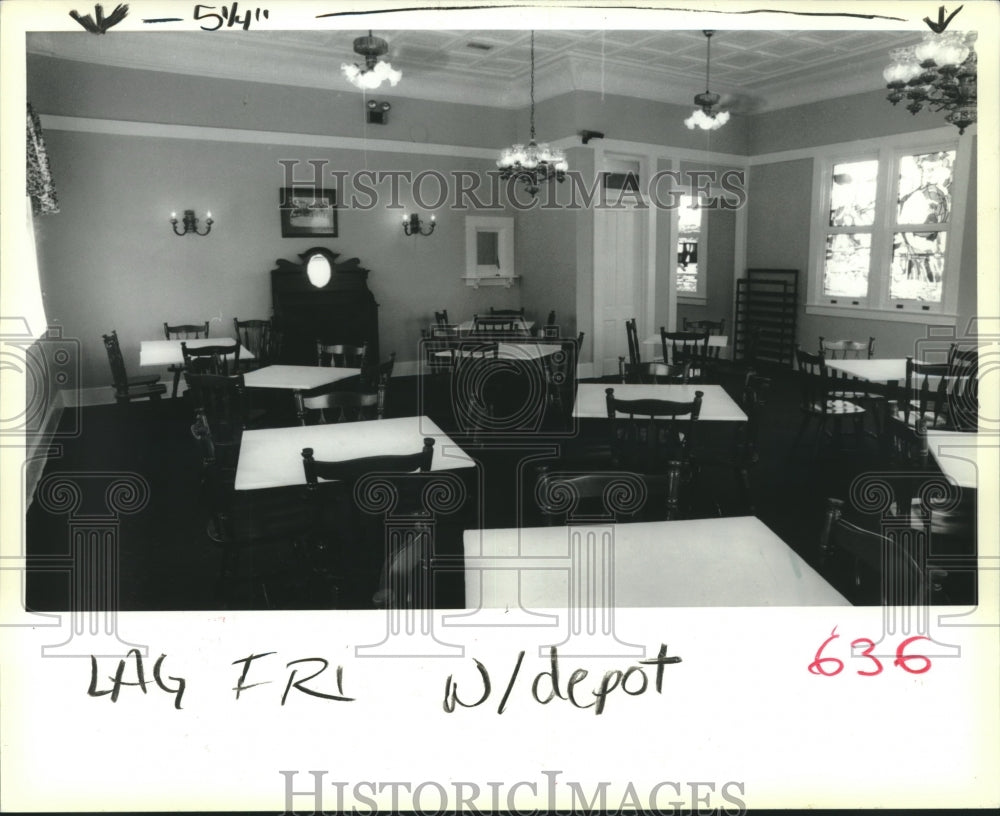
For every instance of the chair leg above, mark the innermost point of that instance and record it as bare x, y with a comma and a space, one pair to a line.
802, 428
177, 381
743, 475
673, 488
820, 433
859, 429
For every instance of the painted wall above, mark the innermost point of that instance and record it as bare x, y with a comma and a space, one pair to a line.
111, 260
843, 119
636, 120
72, 88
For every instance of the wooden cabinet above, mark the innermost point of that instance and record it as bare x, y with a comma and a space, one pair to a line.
340, 309
766, 312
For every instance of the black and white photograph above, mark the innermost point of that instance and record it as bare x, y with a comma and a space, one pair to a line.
308, 211
605, 374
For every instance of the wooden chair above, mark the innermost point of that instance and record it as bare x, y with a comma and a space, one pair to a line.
188, 331
278, 516
925, 394
582, 492
256, 337
963, 393
818, 400
689, 348
479, 351
847, 349
438, 348
655, 373
881, 570
222, 359
560, 375
129, 388
655, 437
475, 394
441, 318
340, 355
331, 485
632, 335
221, 401
338, 405
498, 327
701, 326
550, 331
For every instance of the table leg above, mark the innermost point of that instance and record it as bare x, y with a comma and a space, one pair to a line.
300, 409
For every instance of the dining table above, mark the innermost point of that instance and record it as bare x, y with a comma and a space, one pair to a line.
298, 379
963, 455
168, 352
272, 457
886, 370
712, 562
716, 404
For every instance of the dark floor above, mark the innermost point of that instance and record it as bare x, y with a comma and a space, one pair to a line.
165, 560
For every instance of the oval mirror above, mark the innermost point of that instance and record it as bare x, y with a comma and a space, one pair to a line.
318, 269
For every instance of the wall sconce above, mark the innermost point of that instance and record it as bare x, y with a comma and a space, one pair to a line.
412, 225
378, 112
190, 223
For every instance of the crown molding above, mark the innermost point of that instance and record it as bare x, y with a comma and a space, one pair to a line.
274, 62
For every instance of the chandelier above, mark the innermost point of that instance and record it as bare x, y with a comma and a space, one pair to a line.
704, 116
375, 71
940, 72
532, 163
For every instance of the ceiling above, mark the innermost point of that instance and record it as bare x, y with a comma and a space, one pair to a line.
754, 70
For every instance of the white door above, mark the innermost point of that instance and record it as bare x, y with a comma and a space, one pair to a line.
619, 283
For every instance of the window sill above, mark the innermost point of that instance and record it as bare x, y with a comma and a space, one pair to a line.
690, 300
895, 315
496, 280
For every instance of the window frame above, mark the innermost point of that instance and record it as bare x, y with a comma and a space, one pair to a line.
877, 304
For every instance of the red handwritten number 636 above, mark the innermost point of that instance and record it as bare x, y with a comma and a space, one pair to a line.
822, 665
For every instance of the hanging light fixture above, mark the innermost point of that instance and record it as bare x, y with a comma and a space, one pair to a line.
533, 163
940, 72
705, 117
375, 71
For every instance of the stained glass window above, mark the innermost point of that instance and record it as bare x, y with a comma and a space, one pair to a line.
853, 188
923, 198
848, 258
689, 234
852, 194
884, 223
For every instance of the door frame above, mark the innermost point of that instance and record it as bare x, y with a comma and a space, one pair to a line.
645, 284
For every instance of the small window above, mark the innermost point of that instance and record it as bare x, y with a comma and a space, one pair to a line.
691, 243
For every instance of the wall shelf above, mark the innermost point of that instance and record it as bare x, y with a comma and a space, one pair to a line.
496, 280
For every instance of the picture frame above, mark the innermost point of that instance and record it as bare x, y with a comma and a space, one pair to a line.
308, 211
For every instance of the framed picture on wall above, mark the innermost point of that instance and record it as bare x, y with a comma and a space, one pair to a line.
308, 211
